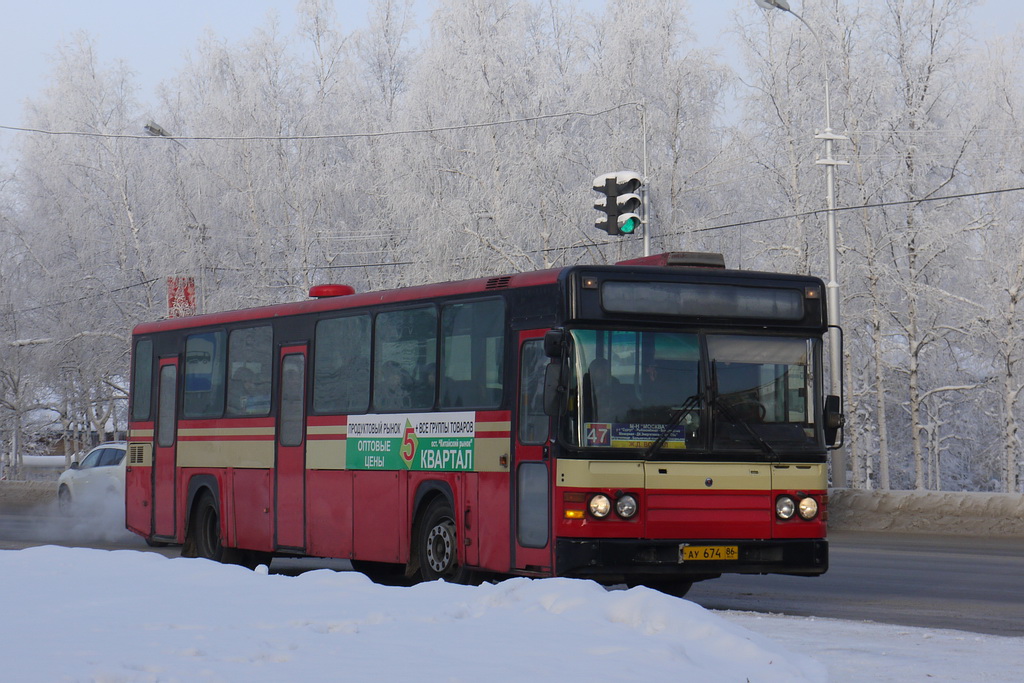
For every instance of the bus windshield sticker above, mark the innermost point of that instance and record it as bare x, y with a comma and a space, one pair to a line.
632, 435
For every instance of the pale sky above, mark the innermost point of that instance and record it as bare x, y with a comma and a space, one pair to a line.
153, 37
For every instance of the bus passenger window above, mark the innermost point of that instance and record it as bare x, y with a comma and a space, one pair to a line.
142, 380
341, 365
472, 351
405, 359
250, 357
204, 375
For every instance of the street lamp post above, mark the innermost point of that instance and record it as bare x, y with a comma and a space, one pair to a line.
832, 287
156, 130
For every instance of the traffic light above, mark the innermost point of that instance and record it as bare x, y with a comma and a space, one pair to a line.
621, 202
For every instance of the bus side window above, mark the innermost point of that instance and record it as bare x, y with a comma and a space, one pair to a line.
405, 358
204, 375
341, 365
142, 380
250, 357
472, 350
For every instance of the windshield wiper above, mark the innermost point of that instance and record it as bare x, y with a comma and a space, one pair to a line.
727, 412
717, 404
682, 411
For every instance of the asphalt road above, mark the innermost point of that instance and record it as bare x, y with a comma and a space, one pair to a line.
949, 582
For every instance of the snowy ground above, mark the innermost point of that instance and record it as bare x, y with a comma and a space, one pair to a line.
77, 614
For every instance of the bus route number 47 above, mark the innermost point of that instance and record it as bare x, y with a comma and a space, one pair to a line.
599, 434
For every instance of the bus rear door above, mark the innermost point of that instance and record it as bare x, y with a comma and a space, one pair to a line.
165, 450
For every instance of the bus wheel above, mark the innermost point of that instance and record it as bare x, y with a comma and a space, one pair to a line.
678, 589
204, 531
384, 573
437, 545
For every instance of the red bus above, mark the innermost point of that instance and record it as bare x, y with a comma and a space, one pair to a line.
652, 422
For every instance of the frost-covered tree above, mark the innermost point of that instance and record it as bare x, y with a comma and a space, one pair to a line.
84, 234
394, 153
1000, 253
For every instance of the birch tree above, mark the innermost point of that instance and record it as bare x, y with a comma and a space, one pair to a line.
86, 231
1001, 85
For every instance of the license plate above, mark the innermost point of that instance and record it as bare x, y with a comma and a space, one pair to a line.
694, 553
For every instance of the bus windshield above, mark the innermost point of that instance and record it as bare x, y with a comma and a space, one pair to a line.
663, 392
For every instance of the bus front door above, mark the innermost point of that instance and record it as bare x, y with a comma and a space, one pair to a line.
290, 469
531, 497
165, 450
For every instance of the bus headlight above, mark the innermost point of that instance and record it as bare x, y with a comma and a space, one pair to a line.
785, 507
808, 508
600, 506
625, 506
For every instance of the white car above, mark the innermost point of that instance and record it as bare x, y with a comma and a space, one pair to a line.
97, 483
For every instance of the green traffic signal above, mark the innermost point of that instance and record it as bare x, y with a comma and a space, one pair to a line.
621, 203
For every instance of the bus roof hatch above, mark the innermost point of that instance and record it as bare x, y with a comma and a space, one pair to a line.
683, 259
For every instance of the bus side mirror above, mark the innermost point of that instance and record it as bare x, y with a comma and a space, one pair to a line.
554, 392
554, 339
834, 419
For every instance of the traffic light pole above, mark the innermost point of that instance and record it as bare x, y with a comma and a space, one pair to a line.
644, 202
644, 197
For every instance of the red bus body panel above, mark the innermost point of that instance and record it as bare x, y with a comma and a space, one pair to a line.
310, 497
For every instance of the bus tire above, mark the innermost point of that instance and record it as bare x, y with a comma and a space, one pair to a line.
204, 532
676, 588
437, 545
384, 573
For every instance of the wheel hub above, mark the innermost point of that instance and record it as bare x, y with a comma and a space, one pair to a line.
441, 547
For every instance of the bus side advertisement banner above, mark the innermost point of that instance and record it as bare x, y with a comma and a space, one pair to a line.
411, 441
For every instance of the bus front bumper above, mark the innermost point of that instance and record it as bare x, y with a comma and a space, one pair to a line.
617, 559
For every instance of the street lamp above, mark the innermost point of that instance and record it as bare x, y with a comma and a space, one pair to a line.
156, 130
832, 288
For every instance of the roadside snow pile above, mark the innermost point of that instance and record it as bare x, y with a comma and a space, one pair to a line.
82, 614
927, 512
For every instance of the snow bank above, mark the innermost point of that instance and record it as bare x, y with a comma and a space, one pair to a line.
927, 512
83, 614
78, 614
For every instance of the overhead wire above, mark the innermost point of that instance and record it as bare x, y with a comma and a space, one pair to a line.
318, 136
859, 207
589, 245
